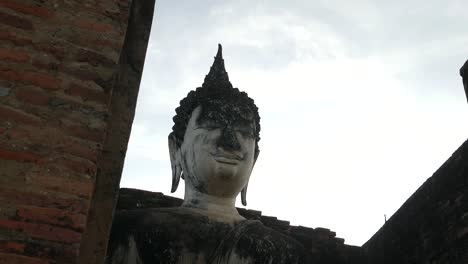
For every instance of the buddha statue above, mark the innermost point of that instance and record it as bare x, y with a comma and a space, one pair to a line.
213, 148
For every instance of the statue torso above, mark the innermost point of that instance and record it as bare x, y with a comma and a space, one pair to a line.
180, 235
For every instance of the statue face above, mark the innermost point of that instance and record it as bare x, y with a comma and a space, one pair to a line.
217, 157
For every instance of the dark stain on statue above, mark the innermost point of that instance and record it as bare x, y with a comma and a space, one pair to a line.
228, 139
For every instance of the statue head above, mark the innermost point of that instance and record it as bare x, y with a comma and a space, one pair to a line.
214, 142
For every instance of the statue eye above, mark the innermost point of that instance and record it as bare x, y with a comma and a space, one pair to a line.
245, 132
209, 126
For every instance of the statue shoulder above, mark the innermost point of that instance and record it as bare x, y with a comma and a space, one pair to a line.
134, 230
162, 234
155, 220
134, 219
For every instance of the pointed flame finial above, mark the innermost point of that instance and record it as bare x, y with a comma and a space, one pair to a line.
217, 78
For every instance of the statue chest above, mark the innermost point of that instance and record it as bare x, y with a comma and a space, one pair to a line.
174, 237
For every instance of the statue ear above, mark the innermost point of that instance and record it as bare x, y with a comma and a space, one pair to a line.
244, 195
174, 154
244, 190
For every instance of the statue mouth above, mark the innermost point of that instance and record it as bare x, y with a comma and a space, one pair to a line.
227, 157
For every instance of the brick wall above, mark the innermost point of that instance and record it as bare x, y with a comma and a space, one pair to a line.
432, 225
60, 62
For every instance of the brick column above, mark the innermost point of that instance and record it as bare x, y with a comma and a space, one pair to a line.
59, 63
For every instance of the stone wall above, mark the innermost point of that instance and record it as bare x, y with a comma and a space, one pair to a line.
321, 243
66, 93
432, 225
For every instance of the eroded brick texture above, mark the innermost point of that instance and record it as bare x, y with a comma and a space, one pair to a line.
432, 225
58, 63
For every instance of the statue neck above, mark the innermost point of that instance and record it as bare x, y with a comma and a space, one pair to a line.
219, 209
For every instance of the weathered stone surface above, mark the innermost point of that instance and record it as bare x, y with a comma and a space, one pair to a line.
164, 235
213, 147
214, 144
321, 246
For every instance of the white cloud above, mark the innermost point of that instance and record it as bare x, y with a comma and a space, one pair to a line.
147, 144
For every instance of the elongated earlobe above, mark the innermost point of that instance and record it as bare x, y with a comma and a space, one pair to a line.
244, 195
176, 173
175, 161
244, 190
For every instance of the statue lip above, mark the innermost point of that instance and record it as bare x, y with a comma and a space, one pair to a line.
227, 157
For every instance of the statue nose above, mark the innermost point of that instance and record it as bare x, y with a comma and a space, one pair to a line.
228, 140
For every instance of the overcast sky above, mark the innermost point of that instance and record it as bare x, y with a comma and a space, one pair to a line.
360, 101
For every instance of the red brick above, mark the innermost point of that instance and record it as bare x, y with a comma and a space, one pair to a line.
83, 132
87, 93
18, 155
31, 96
9, 74
53, 48
55, 140
18, 197
5, 35
62, 184
27, 9
11, 247
17, 116
52, 216
107, 10
82, 72
93, 58
42, 80
82, 166
98, 42
43, 231
6, 258
80, 150
64, 103
13, 55
15, 21
18, 132
95, 26
40, 64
